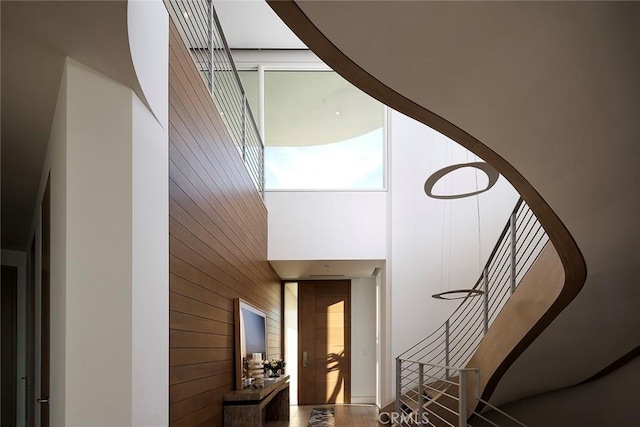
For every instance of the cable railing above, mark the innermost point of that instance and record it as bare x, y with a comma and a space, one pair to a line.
442, 395
427, 372
201, 31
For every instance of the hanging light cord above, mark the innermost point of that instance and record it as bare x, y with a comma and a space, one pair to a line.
459, 293
444, 209
479, 234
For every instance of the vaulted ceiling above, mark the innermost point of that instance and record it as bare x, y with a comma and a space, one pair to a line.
37, 36
548, 93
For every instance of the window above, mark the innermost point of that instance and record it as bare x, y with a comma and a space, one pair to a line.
321, 132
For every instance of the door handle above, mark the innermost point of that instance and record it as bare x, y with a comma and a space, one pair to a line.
43, 401
305, 361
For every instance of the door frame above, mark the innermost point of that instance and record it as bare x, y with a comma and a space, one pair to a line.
8, 373
45, 307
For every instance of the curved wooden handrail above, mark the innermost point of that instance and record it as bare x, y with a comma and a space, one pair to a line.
575, 270
535, 295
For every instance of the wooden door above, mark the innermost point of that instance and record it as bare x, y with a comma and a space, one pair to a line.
45, 308
324, 342
8, 343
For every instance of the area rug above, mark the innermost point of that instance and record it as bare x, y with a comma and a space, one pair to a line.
322, 417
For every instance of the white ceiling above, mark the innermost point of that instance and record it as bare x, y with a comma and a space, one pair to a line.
325, 269
251, 24
36, 39
313, 108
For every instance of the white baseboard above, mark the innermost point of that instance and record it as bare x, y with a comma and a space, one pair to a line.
369, 400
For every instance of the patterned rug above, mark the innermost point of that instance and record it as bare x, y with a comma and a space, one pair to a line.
322, 417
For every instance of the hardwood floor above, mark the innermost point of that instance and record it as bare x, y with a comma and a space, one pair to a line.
346, 416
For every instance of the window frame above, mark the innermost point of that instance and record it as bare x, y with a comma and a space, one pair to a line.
268, 63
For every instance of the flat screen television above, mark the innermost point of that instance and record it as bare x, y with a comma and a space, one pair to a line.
250, 336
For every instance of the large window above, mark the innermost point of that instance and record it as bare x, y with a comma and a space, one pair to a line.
320, 132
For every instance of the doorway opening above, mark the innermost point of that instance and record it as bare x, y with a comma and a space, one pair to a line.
363, 331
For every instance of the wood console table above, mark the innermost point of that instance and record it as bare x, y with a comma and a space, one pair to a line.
254, 406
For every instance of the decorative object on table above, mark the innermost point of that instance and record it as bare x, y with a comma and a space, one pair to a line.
275, 366
255, 368
322, 417
257, 383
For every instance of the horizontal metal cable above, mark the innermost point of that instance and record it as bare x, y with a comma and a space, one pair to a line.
501, 254
477, 414
420, 342
440, 350
500, 302
439, 417
462, 340
462, 356
200, 28
446, 408
501, 412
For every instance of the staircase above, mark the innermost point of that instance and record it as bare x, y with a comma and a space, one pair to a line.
435, 386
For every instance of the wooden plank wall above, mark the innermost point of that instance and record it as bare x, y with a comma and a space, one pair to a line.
217, 249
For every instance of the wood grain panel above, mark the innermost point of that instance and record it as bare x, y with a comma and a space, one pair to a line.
188, 406
193, 388
188, 322
185, 373
306, 328
325, 334
205, 416
217, 249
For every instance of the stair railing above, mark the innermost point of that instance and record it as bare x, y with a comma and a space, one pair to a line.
437, 400
201, 31
446, 351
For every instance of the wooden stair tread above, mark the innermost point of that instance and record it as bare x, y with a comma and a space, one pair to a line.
441, 404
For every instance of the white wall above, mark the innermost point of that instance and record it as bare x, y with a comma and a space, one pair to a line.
108, 161
99, 250
435, 244
55, 167
148, 26
291, 337
363, 340
19, 260
430, 245
150, 298
148, 30
117, 274
383, 350
316, 225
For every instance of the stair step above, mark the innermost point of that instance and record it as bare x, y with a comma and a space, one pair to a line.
440, 402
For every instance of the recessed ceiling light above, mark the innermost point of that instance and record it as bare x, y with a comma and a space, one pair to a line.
337, 113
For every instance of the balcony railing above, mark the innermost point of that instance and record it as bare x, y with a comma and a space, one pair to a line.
202, 33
